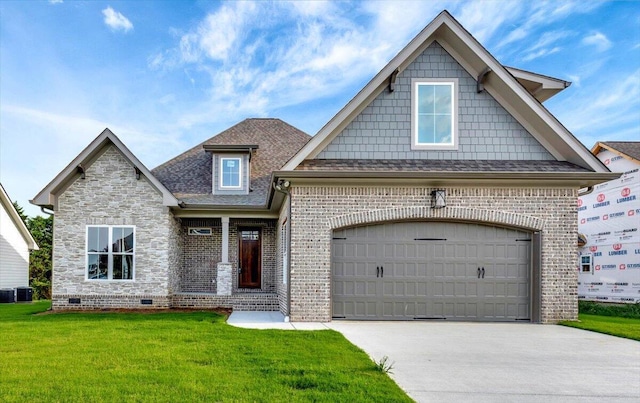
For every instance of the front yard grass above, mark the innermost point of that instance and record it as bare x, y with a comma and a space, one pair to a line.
176, 356
622, 320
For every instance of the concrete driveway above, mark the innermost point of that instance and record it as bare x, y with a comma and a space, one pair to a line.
493, 362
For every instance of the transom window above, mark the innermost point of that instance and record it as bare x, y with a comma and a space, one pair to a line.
110, 252
230, 173
434, 114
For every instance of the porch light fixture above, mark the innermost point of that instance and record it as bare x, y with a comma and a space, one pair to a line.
438, 198
137, 173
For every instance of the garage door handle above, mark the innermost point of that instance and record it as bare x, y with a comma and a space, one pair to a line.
381, 271
483, 272
377, 271
479, 272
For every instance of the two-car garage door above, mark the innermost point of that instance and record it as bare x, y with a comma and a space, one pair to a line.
431, 270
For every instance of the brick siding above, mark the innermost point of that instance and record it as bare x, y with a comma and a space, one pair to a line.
318, 210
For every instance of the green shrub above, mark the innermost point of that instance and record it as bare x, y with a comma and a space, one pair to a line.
608, 309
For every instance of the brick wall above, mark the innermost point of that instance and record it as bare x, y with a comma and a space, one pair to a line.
111, 195
317, 210
486, 130
201, 254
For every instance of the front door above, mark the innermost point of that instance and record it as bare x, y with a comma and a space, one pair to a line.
250, 257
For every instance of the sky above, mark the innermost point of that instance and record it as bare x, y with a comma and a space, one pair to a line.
167, 75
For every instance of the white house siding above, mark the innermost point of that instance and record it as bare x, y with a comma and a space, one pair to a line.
317, 210
610, 219
111, 195
14, 254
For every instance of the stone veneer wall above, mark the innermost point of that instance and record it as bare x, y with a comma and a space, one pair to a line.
111, 195
317, 210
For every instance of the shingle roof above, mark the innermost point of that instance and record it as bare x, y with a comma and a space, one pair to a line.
630, 148
189, 175
439, 166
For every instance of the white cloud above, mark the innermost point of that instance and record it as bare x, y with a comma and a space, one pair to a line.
543, 47
539, 14
599, 108
116, 21
540, 53
56, 1
599, 40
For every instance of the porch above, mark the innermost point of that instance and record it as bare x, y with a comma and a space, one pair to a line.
231, 263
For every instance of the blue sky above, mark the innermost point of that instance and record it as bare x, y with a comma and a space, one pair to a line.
166, 75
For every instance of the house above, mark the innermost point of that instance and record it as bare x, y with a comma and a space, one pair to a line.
15, 243
442, 190
609, 222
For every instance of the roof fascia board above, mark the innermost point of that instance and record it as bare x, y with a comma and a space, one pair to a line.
17, 221
373, 178
599, 146
218, 212
48, 195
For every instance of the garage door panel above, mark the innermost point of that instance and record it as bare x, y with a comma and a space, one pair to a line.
436, 277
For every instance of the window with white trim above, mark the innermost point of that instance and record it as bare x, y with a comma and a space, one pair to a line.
231, 173
110, 252
434, 114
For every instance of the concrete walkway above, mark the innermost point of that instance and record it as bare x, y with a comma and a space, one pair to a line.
489, 362
269, 320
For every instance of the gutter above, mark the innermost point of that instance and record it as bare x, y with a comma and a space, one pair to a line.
285, 190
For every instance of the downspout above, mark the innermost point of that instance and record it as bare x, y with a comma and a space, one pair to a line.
285, 190
42, 208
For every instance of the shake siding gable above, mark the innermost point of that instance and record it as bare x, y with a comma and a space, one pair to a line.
486, 130
111, 195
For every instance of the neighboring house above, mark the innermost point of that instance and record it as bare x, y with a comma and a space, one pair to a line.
609, 222
15, 243
444, 190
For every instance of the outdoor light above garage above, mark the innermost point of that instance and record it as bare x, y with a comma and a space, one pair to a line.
439, 198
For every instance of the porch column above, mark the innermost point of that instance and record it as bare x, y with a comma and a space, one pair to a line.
224, 267
225, 239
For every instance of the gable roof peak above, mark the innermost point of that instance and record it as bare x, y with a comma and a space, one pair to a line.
502, 84
48, 196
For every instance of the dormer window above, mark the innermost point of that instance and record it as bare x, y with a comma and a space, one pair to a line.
231, 168
230, 173
434, 114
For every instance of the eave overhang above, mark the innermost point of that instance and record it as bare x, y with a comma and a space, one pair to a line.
422, 178
232, 148
600, 146
17, 220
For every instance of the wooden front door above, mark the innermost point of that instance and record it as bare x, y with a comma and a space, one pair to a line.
250, 257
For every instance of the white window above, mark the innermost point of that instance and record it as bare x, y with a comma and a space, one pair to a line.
434, 114
110, 252
199, 231
231, 173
